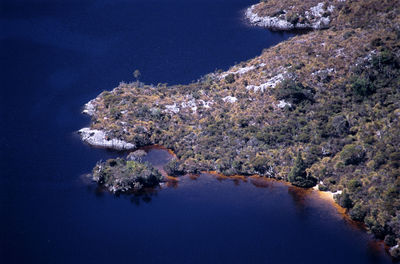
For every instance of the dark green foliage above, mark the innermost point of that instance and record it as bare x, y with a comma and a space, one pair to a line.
298, 170
390, 240
362, 86
358, 212
352, 154
119, 175
344, 200
323, 188
293, 18
340, 125
298, 175
174, 168
395, 159
354, 184
260, 164
379, 159
294, 92
230, 78
375, 74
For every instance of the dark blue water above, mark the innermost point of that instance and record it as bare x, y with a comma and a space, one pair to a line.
58, 54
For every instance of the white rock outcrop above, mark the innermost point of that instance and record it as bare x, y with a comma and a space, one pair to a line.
271, 83
99, 138
230, 99
283, 104
267, 21
172, 109
89, 108
315, 17
239, 71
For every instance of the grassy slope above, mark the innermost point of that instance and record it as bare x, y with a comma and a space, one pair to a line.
343, 85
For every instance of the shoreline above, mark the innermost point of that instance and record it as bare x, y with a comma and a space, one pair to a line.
248, 87
282, 24
99, 138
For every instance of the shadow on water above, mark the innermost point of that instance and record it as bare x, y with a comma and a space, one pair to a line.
60, 54
157, 156
307, 202
135, 197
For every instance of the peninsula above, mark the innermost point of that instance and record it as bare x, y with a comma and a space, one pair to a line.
320, 108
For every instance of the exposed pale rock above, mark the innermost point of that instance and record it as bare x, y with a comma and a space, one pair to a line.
89, 108
283, 104
190, 104
229, 99
206, 104
239, 71
99, 138
315, 15
271, 83
172, 109
268, 22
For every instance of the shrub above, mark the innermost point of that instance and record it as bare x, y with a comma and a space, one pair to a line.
395, 159
340, 125
322, 188
358, 212
362, 86
390, 240
230, 78
352, 154
379, 159
119, 175
298, 171
293, 91
344, 200
174, 168
353, 184
292, 18
298, 175
260, 164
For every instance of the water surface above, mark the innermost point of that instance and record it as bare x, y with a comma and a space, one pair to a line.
58, 54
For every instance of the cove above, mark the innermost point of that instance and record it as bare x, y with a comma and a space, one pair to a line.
57, 55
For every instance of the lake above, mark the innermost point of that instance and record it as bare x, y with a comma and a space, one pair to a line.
58, 54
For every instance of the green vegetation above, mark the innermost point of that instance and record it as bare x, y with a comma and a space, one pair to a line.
230, 78
298, 175
174, 168
343, 86
294, 92
119, 175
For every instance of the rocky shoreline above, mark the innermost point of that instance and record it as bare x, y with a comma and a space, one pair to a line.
329, 97
99, 138
280, 20
122, 176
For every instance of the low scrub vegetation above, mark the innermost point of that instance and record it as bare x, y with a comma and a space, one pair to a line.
119, 175
331, 95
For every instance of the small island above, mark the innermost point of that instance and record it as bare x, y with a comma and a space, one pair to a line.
322, 108
121, 175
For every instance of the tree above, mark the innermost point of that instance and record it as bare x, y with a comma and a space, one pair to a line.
298, 175
298, 171
345, 200
136, 74
174, 168
230, 78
